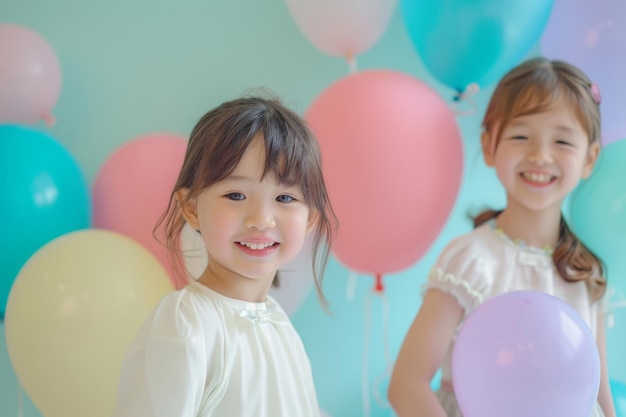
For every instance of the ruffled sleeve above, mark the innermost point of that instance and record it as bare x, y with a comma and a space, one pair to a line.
460, 271
165, 370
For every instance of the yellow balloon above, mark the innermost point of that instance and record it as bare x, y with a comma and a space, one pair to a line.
72, 312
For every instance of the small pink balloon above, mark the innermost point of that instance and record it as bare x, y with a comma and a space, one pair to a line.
393, 160
30, 76
525, 353
342, 28
133, 187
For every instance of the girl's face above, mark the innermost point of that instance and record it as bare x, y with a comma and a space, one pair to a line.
540, 158
250, 226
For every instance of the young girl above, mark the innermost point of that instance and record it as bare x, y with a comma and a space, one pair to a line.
252, 185
541, 133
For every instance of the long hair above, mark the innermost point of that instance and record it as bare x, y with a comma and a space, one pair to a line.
217, 144
532, 87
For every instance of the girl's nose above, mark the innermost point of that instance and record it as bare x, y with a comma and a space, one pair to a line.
540, 155
260, 218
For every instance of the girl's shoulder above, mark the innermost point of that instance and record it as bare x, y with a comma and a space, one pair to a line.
480, 242
183, 314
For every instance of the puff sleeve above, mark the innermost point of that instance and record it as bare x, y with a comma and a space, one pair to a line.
460, 271
164, 372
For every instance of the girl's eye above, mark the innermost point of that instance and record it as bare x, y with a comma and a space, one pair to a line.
283, 198
235, 196
519, 137
562, 142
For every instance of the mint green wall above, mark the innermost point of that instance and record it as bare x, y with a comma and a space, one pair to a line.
135, 67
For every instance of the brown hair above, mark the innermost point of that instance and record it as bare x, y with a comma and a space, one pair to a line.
217, 144
535, 86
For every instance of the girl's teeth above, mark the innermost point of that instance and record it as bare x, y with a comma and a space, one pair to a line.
542, 178
256, 246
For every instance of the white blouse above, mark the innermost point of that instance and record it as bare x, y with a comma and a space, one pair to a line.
201, 354
485, 262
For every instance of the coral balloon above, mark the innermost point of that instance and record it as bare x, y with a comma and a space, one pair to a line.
393, 161
72, 313
592, 35
464, 42
342, 28
525, 353
44, 195
133, 187
30, 76
295, 277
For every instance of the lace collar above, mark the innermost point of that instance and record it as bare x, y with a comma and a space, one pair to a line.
519, 243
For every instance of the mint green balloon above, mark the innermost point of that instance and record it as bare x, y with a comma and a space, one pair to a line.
598, 212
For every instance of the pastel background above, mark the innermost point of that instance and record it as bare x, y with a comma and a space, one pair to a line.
136, 68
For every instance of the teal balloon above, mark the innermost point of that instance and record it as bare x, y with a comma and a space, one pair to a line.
618, 390
44, 195
474, 41
598, 212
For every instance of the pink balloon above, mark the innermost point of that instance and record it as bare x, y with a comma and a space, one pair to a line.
342, 28
525, 353
30, 76
592, 35
133, 187
393, 161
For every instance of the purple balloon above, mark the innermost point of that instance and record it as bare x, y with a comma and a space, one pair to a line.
525, 353
592, 35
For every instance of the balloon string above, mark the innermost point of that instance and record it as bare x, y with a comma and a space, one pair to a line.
351, 286
365, 389
380, 399
376, 390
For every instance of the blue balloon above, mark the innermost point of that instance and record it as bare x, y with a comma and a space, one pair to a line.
44, 195
598, 212
463, 42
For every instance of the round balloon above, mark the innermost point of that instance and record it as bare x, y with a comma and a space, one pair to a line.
44, 195
342, 28
591, 34
30, 76
295, 277
133, 187
393, 161
598, 212
465, 42
525, 353
72, 313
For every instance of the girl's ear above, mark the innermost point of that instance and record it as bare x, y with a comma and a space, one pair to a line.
188, 207
489, 149
314, 218
592, 157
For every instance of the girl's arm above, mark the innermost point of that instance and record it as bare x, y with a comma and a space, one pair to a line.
421, 354
604, 395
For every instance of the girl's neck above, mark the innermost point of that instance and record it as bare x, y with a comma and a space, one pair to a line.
235, 286
536, 228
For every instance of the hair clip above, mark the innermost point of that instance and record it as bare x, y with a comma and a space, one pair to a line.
595, 93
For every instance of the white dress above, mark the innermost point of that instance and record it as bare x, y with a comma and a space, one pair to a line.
484, 263
201, 354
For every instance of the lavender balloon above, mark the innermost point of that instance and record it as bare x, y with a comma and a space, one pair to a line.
592, 35
525, 353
